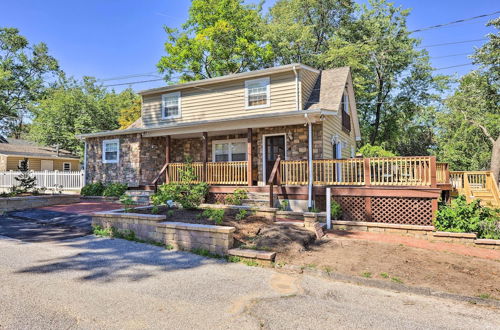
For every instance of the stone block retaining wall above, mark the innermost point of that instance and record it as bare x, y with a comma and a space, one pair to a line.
184, 236
21, 203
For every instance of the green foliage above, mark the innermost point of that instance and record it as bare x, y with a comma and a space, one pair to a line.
284, 205
463, 217
155, 209
366, 274
24, 70
374, 151
206, 253
336, 210
130, 112
298, 30
26, 181
395, 88
115, 189
242, 214
396, 280
188, 194
384, 275
127, 203
100, 231
216, 215
220, 37
74, 107
237, 197
170, 213
93, 189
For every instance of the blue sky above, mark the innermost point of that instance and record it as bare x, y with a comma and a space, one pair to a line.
110, 38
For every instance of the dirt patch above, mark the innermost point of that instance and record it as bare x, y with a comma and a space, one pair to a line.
251, 231
438, 270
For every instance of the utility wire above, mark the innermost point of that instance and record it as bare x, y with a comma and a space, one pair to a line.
452, 43
454, 22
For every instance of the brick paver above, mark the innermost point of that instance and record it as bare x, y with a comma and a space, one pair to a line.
418, 243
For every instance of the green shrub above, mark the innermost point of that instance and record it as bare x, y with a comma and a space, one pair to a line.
237, 197
284, 205
170, 213
115, 189
188, 194
93, 189
127, 203
216, 215
463, 217
336, 210
374, 151
242, 214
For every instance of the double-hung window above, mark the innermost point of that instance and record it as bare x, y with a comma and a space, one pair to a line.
110, 151
171, 105
257, 93
66, 167
229, 150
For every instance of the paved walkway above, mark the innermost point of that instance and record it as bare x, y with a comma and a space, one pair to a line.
99, 283
418, 243
85, 207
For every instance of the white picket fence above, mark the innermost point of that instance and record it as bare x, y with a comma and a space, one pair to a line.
70, 180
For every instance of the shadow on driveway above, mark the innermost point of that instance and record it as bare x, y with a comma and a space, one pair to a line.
105, 260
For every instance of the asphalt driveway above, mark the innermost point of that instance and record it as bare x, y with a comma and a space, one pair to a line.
52, 223
101, 283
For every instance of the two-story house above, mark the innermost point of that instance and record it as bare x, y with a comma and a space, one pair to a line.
233, 128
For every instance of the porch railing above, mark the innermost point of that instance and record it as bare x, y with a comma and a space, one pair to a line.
227, 173
400, 171
470, 183
338, 171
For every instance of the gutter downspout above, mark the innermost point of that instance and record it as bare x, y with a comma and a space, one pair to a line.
309, 162
296, 88
85, 164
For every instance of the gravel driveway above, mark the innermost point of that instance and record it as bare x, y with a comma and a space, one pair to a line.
100, 283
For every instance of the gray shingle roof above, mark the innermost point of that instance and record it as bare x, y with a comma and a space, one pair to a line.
17, 147
327, 92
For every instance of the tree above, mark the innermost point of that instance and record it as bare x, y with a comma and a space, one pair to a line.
24, 70
220, 37
299, 30
76, 107
469, 132
131, 112
393, 79
25, 179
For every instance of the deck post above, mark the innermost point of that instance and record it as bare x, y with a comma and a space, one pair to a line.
205, 155
433, 170
249, 157
167, 156
366, 168
328, 208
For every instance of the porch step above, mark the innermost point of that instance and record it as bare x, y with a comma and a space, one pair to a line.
140, 196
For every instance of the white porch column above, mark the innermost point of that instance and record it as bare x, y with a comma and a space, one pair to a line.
310, 165
85, 164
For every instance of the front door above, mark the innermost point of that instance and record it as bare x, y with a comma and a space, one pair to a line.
47, 165
274, 146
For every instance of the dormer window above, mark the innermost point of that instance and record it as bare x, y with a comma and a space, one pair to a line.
171, 105
257, 93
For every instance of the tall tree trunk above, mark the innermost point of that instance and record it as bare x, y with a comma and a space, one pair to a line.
495, 160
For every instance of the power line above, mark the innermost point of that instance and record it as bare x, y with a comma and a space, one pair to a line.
453, 66
130, 76
454, 22
452, 43
452, 55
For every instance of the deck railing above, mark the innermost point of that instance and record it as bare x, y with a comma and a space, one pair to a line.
400, 171
227, 173
294, 172
469, 183
65, 180
175, 170
442, 173
338, 171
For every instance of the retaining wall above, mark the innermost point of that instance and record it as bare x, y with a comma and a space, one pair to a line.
27, 202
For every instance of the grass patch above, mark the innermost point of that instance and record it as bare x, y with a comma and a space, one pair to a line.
328, 269
484, 296
396, 280
206, 253
366, 274
384, 275
125, 234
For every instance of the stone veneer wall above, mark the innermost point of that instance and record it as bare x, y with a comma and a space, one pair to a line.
142, 158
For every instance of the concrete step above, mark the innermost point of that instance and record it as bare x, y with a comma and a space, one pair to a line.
140, 196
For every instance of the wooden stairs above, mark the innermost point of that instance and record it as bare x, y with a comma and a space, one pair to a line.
476, 185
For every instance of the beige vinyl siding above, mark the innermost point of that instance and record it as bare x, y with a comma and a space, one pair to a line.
221, 100
3, 163
35, 163
308, 80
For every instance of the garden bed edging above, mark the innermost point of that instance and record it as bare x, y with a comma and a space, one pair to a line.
180, 235
8, 204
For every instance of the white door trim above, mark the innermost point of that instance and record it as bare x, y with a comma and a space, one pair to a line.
264, 174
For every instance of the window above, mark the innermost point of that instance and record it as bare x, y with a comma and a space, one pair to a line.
110, 151
257, 93
66, 167
171, 105
229, 150
345, 102
346, 118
